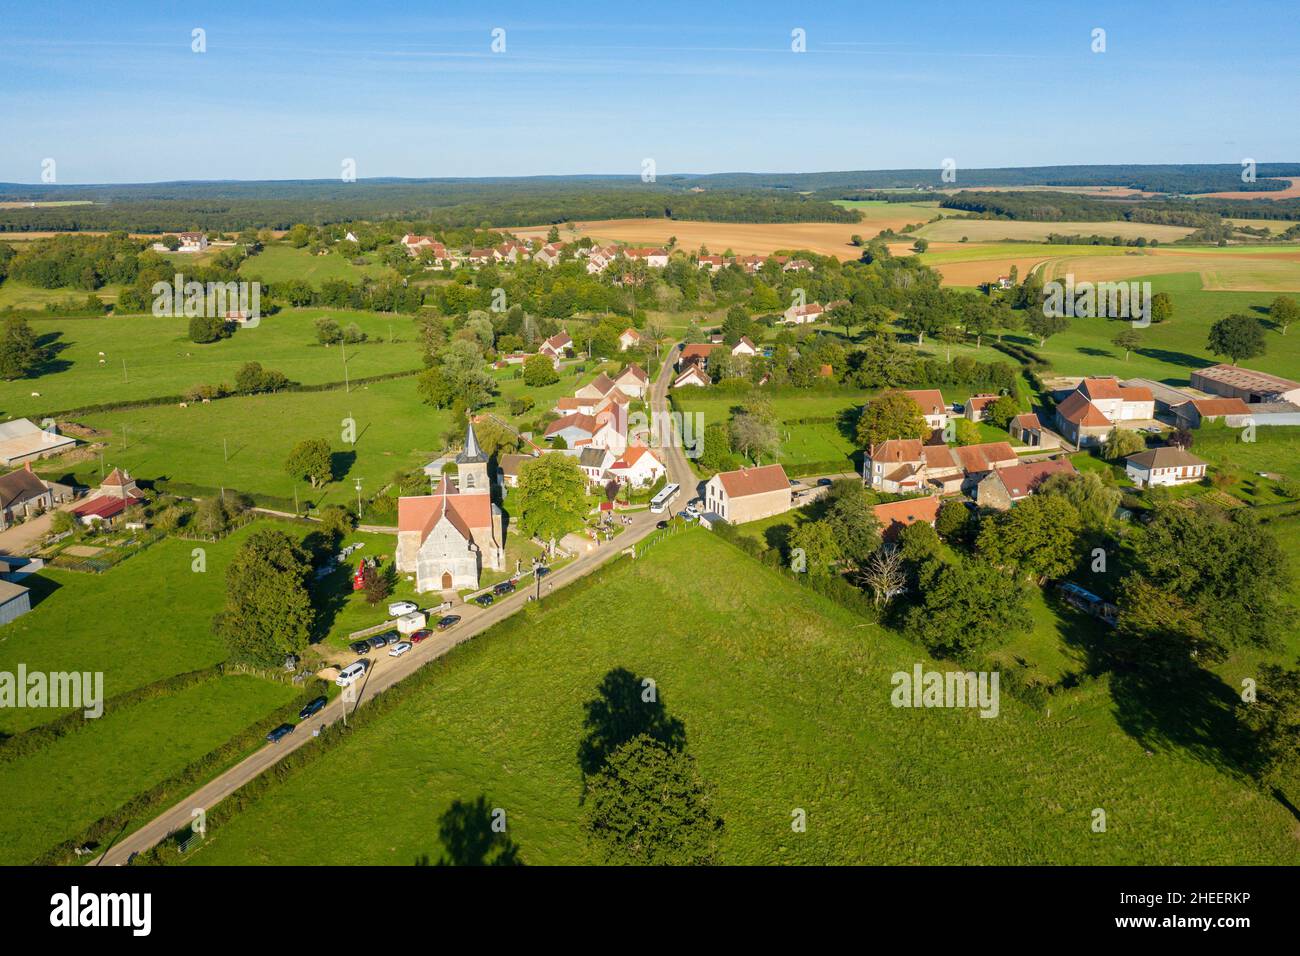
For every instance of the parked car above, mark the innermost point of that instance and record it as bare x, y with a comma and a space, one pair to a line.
351, 673
449, 621
824, 482
661, 525
505, 587
542, 571
422, 634
398, 608
393, 637
284, 730
360, 647
400, 648
313, 707
378, 641
485, 600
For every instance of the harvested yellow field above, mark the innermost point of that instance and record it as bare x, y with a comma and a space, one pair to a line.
1268, 272
742, 238
1291, 192
993, 230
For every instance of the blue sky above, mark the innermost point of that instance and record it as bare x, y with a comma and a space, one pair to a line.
113, 92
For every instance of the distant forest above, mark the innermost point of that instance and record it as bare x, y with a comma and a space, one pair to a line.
1072, 207
170, 207
721, 197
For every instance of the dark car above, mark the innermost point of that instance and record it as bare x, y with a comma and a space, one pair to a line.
824, 482
393, 637
284, 730
485, 600
449, 621
661, 525
543, 571
312, 708
422, 634
505, 587
360, 647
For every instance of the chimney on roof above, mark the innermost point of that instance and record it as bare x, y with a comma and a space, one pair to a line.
27, 465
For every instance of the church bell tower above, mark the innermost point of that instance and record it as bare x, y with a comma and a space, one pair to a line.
472, 466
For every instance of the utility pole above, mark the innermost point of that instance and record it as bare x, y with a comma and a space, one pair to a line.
124, 376
358, 499
346, 387
225, 451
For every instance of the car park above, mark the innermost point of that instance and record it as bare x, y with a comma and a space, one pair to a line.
505, 587
313, 707
485, 600
449, 621
398, 608
400, 648
284, 730
360, 647
423, 634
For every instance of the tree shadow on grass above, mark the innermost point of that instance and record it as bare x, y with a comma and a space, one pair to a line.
1192, 710
619, 712
1173, 358
51, 363
341, 463
469, 837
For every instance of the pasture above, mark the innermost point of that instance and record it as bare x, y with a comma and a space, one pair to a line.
785, 701
278, 262
129, 358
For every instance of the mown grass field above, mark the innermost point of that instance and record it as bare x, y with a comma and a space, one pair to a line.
1171, 350
994, 230
278, 262
785, 701
161, 360
53, 794
393, 431
139, 622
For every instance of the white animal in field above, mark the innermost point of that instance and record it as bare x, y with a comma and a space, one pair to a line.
36, 394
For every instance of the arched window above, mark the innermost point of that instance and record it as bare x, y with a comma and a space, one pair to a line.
469, 480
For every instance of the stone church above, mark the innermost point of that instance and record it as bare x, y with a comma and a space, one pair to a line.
447, 538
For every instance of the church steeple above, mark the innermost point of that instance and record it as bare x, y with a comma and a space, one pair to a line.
472, 466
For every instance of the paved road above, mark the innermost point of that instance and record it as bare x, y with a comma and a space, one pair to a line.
386, 671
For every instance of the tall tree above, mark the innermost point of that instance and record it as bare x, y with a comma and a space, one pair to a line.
890, 415
268, 612
1237, 336
552, 496
310, 460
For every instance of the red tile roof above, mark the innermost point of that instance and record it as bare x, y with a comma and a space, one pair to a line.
930, 400
896, 515
1078, 410
985, 457
754, 481
1021, 480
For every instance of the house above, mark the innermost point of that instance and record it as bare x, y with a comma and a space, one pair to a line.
594, 462
21, 441
897, 515
797, 265
1028, 430
557, 346
1166, 396
907, 466
697, 353
693, 375
713, 263
1166, 465
1003, 282
192, 242
654, 258
1229, 381
628, 339
751, 264
977, 405
638, 466
106, 503
748, 494
979, 459
549, 255
598, 260
802, 314
509, 252
446, 538
22, 495
350, 236
633, 381
1003, 487
508, 469
744, 347
930, 402
1192, 413
1118, 402
1081, 422
598, 387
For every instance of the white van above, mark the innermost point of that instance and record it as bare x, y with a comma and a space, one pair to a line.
350, 673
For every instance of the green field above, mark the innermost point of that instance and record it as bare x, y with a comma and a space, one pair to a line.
243, 442
53, 794
992, 230
278, 262
785, 701
1171, 350
160, 360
